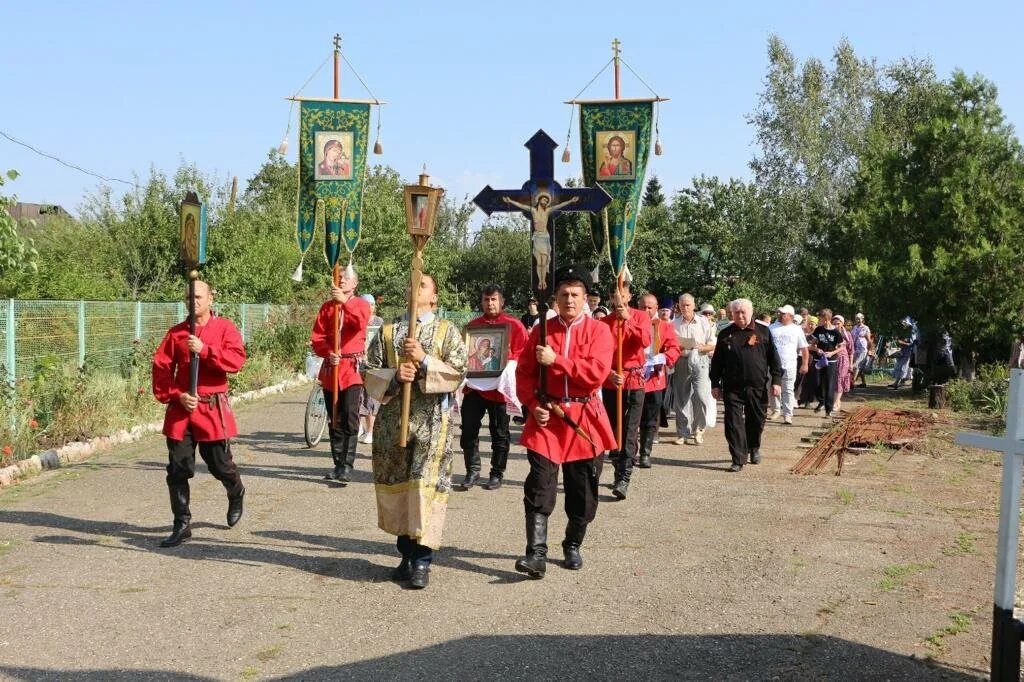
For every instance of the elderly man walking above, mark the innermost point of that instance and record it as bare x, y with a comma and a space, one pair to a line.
745, 357
791, 344
690, 384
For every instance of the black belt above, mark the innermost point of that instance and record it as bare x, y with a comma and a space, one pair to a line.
573, 399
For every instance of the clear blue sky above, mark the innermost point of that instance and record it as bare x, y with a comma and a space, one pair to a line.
118, 87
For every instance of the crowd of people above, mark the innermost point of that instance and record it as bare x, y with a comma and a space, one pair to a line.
595, 377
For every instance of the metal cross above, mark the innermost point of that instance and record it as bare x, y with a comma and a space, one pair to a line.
541, 199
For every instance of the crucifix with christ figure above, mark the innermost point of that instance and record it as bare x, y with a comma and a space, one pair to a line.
541, 199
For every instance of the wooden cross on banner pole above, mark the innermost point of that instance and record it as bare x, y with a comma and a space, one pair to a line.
541, 199
1006, 629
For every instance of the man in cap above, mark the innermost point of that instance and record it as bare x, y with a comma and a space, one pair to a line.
577, 355
346, 314
481, 396
635, 326
794, 357
744, 359
593, 299
660, 355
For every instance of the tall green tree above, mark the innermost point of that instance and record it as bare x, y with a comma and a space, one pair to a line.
938, 223
17, 253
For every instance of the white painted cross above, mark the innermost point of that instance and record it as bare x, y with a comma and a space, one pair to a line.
1012, 446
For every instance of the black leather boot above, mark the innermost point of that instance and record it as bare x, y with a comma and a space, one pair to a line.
574, 534
535, 562
348, 458
403, 571
420, 576
235, 507
471, 455
338, 454
623, 472
182, 530
646, 445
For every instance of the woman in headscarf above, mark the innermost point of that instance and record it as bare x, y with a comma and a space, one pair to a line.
844, 364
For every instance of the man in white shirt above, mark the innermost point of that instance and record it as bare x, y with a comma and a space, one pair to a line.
793, 356
691, 384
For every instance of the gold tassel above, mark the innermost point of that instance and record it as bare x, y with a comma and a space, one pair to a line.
657, 147
297, 275
378, 148
565, 155
350, 271
282, 149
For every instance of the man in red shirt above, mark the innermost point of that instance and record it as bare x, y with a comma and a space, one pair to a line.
481, 396
577, 357
661, 354
636, 336
354, 316
204, 420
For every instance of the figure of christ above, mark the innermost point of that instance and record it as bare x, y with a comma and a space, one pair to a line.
541, 211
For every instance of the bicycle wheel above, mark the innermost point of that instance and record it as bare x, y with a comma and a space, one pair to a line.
316, 417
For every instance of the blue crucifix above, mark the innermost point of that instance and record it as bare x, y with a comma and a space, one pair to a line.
541, 199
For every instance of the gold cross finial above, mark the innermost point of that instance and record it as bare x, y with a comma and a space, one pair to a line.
616, 47
337, 42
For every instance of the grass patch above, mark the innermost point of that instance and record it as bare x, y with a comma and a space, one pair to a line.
959, 623
963, 544
895, 575
6, 546
132, 590
249, 672
283, 626
845, 495
269, 653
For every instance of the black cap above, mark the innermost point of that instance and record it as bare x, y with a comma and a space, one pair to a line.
573, 273
594, 291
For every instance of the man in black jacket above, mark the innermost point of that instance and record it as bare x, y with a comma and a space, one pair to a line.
744, 358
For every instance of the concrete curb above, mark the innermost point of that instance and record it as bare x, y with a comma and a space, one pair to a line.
80, 451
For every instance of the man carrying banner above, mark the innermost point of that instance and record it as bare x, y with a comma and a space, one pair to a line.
203, 420
660, 355
566, 425
413, 483
636, 336
481, 396
347, 388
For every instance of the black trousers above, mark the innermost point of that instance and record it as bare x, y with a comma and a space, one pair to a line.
579, 480
632, 411
650, 416
347, 426
827, 383
744, 420
181, 462
413, 551
474, 407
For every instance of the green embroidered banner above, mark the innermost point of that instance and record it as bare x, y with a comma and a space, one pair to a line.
615, 139
332, 166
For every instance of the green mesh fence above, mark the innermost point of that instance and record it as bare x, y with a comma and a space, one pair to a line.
101, 333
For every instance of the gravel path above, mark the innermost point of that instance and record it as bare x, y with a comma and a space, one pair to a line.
700, 574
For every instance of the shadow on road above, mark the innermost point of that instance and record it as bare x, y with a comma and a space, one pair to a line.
602, 657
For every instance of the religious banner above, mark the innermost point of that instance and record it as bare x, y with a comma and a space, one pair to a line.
615, 138
333, 138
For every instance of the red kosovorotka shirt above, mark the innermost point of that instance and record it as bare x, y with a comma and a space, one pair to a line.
669, 347
355, 316
516, 342
583, 352
222, 352
636, 336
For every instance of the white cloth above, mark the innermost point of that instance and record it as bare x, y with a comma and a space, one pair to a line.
789, 341
504, 383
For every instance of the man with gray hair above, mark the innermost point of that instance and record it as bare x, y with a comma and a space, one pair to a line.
691, 387
744, 358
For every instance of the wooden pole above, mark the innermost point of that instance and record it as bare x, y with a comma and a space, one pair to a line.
193, 361
337, 65
415, 277
336, 342
619, 369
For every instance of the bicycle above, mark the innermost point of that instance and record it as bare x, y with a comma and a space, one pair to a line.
316, 417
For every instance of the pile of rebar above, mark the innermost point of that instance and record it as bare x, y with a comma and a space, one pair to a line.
865, 428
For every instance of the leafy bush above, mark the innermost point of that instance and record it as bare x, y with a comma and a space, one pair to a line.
986, 394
